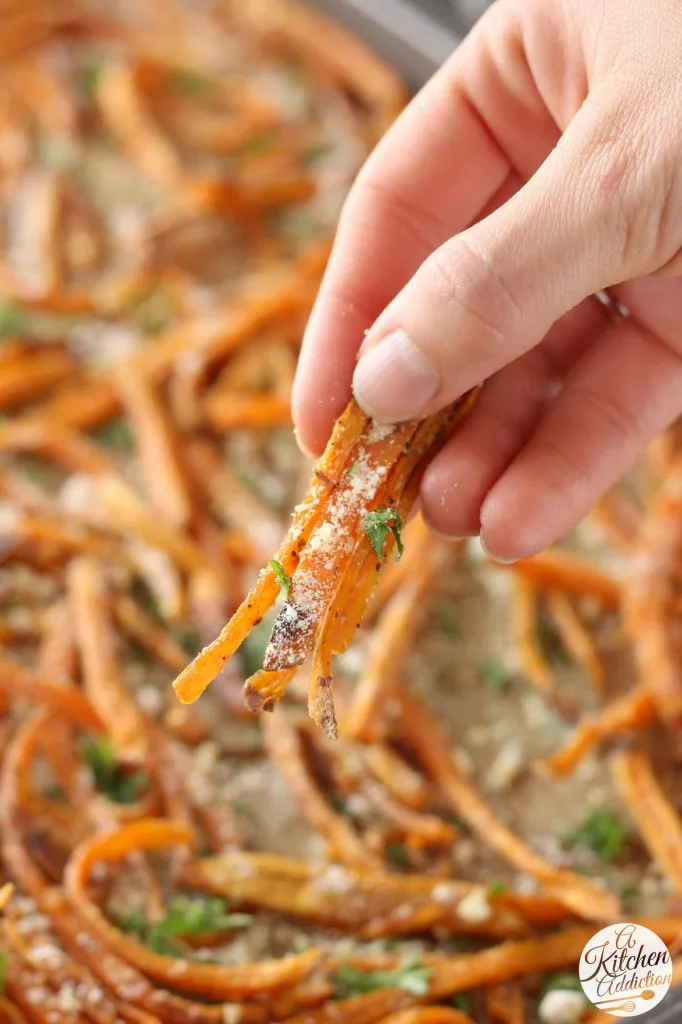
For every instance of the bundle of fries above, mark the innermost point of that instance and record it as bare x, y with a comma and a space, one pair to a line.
169, 181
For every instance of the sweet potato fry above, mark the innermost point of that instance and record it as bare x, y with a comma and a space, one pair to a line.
657, 820
533, 661
576, 638
103, 685
575, 892
216, 981
558, 571
632, 711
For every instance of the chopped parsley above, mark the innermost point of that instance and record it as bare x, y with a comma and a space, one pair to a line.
550, 641
257, 144
189, 83
4, 964
281, 577
140, 592
627, 894
461, 1001
446, 623
186, 917
496, 889
188, 638
13, 319
397, 854
115, 434
352, 470
410, 975
315, 153
117, 785
379, 524
603, 832
88, 78
494, 674
155, 312
561, 982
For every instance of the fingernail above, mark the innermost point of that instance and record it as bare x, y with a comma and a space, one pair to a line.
393, 380
491, 554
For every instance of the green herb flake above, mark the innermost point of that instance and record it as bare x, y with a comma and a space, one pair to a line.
4, 964
118, 786
13, 320
88, 77
188, 638
189, 83
313, 154
410, 975
496, 889
627, 894
116, 434
396, 854
461, 1001
550, 642
141, 593
258, 144
352, 470
185, 917
603, 832
379, 524
281, 577
561, 982
494, 674
155, 312
447, 623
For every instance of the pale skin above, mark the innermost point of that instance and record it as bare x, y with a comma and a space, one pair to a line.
543, 163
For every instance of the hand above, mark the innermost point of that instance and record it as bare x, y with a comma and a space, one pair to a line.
543, 163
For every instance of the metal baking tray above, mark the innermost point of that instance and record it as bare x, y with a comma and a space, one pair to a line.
416, 37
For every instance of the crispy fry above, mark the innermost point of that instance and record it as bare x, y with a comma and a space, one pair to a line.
631, 712
245, 411
576, 638
431, 748
102, 683
211, 980
558, 571
165, 479
655, 817
647, 593
505, 1004
533, 662
197, 676
360, 900
396, 632
429, 1015
284, 745
124, 112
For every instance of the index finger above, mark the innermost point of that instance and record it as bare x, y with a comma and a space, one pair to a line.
430, 176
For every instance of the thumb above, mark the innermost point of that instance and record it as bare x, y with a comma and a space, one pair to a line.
584, 221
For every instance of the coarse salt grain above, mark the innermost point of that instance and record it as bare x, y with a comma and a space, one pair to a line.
562, 1006
474, 908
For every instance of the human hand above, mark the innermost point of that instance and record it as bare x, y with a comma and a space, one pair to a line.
542, 163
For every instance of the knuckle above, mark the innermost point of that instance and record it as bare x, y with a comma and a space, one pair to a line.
461, 276
604, 411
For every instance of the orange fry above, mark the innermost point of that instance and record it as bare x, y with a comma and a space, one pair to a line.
533, 662
633, 711
657, 820
213, 981
157, 446
576, 638
581, 896
285, 746
102, 683
556, 570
